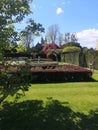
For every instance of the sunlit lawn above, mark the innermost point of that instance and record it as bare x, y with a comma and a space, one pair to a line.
80, 96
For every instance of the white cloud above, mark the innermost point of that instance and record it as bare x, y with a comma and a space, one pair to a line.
59, 10
88, 37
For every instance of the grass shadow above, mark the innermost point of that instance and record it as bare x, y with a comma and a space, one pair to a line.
34, 115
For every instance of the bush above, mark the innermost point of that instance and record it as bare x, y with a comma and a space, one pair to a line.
52, 72
58, 73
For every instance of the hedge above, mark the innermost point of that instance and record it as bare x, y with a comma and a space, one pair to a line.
54, 72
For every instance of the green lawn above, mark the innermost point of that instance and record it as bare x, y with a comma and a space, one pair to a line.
29, 113
80, 96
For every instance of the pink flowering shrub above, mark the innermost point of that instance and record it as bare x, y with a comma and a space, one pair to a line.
49, 47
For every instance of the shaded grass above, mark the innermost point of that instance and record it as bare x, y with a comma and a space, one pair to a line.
34, 111
80, 96
34, 115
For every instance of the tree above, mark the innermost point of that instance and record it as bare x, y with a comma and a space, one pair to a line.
13, 79
11, 11
60, 39
21, 48
42, 40
33, 29
74, 37
67, 37
26, 39
70, 37
53, 33
49, 49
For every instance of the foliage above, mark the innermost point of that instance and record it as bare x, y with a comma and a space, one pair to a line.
70, 37
75, 54
33, 29
82, 59
12, 79
92, 58
41, 54
88, 58
69, 49
1, 56
50, 46
60, 39
21, 48
55, 54
71, 58
11, 11
46, 72
59, 73
75, 44
70, 54
16, 55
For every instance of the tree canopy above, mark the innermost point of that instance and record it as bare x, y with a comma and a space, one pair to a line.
52, 33
31, 30
71, 49
11, 11
70, 37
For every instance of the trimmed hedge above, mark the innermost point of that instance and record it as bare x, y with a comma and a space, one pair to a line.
54, 72
18, 55
59, 76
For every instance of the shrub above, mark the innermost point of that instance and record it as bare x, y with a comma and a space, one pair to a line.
51, 72
13, 79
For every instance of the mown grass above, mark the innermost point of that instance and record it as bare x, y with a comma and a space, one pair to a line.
80, 96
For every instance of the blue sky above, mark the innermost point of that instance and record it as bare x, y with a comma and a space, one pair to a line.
79, 16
